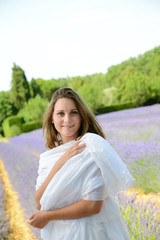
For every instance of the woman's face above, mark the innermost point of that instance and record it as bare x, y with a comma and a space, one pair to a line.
66, 119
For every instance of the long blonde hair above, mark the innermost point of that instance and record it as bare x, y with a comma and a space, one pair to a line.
89, 122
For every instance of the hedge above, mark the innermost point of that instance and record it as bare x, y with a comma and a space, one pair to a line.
29, 126
114, 108
14, 125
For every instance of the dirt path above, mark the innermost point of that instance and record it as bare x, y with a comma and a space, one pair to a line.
18, 224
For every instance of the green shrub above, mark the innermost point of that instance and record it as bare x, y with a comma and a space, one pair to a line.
14, 131
15, 125
115, 108
12, 121
29, 126
34, 109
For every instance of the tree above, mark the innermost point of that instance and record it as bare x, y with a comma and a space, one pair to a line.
38, 104
6, 107
92, 95
34, 88
20, 92
47, 87
76, 82
136, 89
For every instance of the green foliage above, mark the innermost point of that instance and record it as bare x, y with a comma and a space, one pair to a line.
132, 86
20, 92
134, 82
108, 96
6, 107
63, 82
137, 79
12, 126
14, 131
90, 88
92, 96
32, 125
77, 82
34, 109
114, 108
47, 87
34, 88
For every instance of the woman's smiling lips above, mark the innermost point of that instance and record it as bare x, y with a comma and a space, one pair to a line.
68, 126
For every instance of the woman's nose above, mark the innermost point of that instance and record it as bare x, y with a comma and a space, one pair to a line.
67, 118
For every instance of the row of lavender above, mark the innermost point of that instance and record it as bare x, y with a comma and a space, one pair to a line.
141, 219
21, 166
4, 225
134, 133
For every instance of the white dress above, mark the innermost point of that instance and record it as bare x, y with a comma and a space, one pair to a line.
97, 173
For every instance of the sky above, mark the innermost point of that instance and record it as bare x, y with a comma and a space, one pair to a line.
66, 38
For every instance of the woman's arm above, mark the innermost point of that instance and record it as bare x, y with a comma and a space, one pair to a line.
72, 151
82, 208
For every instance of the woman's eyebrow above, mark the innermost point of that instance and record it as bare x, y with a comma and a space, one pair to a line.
59, 110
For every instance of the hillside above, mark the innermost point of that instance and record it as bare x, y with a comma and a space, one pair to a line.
132, 83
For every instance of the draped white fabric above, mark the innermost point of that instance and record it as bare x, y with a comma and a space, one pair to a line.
97, 173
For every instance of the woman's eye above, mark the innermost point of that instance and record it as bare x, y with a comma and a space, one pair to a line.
74, 113
60, 113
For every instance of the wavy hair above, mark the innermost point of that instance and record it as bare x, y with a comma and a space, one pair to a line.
89, 122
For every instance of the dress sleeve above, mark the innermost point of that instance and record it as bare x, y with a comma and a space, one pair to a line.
39, 180
93, 185
114, 172
43, 171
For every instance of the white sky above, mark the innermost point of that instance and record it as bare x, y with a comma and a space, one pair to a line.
60, 38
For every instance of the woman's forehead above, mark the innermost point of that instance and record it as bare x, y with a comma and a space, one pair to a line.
65, 103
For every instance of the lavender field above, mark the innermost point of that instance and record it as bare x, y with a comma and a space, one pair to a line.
135, 134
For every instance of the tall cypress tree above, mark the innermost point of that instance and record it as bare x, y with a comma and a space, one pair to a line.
20, 92
34, 88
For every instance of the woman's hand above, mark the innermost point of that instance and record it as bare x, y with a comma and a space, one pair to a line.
72, 151
39, 219
80, 209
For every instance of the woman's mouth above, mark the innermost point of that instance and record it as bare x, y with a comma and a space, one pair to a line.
68, 126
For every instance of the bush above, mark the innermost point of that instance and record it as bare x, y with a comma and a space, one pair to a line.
12, 126
29, 126
14, 131
34, 109
114, 108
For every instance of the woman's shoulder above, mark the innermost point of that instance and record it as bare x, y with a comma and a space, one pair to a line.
95, 141
93, 137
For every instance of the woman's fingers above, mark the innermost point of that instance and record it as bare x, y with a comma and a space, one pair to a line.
78, 148
83, 145
75, 145
78, 145
31, 217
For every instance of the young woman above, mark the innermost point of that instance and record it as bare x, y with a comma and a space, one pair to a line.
78, 177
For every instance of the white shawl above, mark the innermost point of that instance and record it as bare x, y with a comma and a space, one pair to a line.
97, 173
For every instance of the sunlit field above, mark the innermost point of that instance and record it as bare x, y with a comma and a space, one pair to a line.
135, 135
